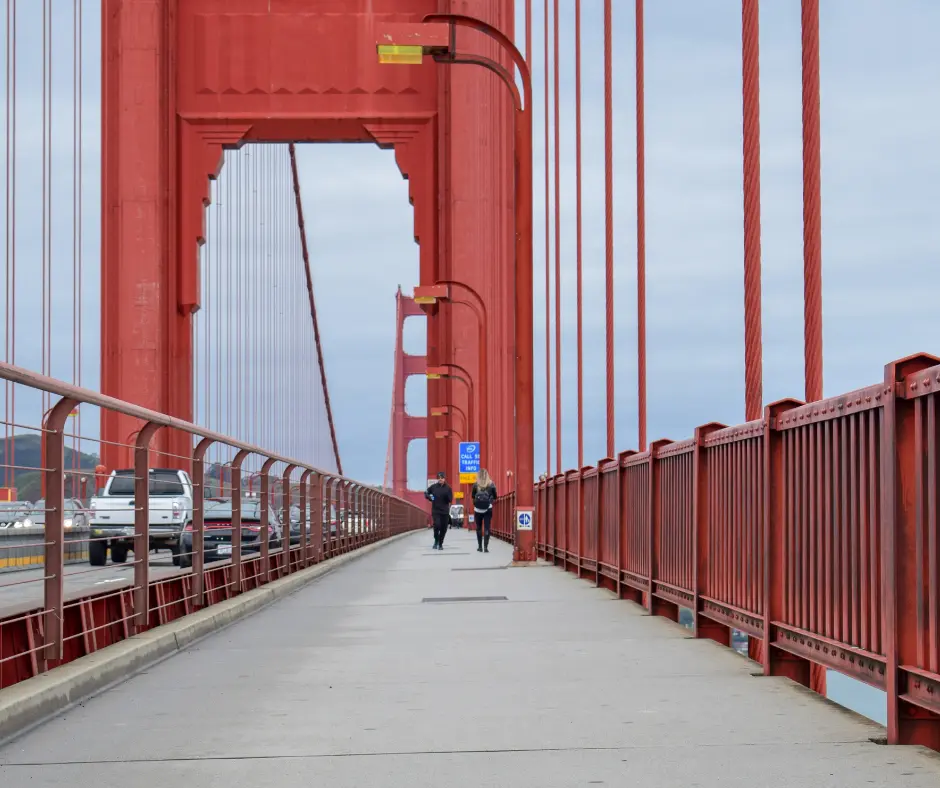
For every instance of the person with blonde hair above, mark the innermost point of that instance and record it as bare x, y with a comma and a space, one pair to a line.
483, 494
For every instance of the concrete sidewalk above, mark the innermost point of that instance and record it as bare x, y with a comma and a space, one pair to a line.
358, 681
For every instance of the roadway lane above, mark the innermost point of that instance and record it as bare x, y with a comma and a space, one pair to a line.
405, 669
22, 590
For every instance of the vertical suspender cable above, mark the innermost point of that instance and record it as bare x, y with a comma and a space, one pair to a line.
609, 214
528, 33
548, 255
753, 352
812, 205
239, 298
217, 328
45, 197
259, 340
556, 26
812, 231
71, 480
230, 235
9, 324
577, 124
79, 214
640, 229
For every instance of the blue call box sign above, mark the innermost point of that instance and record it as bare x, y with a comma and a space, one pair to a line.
469, 457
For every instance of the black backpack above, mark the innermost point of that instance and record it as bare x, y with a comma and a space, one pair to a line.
482, 500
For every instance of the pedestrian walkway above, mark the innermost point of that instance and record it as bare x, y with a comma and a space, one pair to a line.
385, 673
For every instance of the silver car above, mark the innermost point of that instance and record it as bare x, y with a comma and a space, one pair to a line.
74, 514
13, 512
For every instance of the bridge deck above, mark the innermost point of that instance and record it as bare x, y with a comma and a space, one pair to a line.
354, 681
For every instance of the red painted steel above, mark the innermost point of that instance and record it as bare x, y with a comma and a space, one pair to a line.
753, 343
813, 530
812, 204
548, 246
609, 222
405, 427
557, 106
579, 228
524, 405
640, 229
219, 77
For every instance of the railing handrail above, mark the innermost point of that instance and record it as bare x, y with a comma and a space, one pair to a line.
50, 385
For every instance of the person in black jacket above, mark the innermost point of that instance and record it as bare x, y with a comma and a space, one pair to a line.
483, 494
441, 496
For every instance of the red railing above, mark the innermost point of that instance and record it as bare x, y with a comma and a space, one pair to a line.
42, 626
814, 531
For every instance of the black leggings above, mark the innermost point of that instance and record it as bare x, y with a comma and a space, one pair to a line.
441, 521
483, 520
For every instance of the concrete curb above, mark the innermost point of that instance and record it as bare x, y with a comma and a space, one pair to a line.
30, 703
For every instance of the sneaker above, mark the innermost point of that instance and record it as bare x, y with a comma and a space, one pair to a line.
479, 549
486, 549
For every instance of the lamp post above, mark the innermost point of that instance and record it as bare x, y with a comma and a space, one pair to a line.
443, 372
446, 411
407, 44
442, 292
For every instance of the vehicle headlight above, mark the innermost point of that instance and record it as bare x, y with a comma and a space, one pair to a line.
93, 504
68, 522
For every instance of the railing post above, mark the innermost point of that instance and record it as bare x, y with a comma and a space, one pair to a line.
142, 525
553, 492
776, 661
198, 558
53, 472
344, 497
329, 487
354, 492
598, 518
285, 519
541, 520
581, 523
701, 530
316, 515
903, 546
264, 571
656, 606
373, 510
237, 521
305, 506
566, 511
622, 507
360, 497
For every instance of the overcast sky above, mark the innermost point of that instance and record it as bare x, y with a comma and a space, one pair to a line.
880, 68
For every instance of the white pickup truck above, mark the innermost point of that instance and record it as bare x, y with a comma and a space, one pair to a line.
113, 509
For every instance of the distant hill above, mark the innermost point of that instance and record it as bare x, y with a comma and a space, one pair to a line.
25, 451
